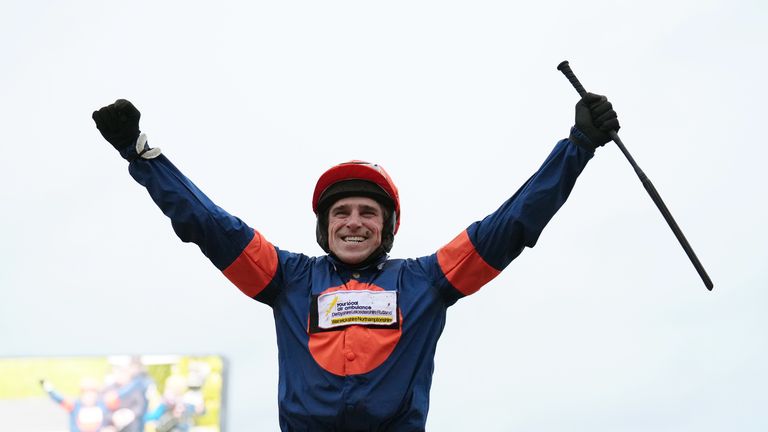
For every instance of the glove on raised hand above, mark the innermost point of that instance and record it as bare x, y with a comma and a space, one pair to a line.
595, 117
46, 385
119, 124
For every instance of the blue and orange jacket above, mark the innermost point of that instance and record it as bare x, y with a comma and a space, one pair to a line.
360, 377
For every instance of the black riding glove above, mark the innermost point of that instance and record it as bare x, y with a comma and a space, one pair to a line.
595, 117
119, 124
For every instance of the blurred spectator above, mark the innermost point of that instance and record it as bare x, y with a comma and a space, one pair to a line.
179, 405
90, 412
131, 380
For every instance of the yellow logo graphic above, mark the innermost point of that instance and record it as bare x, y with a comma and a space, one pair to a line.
333, 303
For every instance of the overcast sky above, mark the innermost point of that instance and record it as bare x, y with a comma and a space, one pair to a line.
603, 326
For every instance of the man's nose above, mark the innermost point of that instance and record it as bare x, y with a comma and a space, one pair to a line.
354, 220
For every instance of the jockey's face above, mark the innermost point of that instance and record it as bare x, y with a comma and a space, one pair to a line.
354, 228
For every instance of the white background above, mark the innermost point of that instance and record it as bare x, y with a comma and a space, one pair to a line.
604, 326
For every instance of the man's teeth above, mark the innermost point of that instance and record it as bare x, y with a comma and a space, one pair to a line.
355, 239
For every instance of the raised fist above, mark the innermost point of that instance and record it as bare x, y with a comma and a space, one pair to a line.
595, 117
118, 123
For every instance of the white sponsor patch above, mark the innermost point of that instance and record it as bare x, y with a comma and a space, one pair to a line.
343, 308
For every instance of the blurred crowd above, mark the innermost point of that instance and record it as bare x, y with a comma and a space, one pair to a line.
128, 400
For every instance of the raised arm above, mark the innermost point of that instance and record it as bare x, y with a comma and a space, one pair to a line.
240, 252
486, 247
57, 397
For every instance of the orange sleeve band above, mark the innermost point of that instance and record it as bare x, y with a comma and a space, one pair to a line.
464, 268
68, 405
254, 269
112, 400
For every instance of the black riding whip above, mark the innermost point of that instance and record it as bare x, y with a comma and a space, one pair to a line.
566, 70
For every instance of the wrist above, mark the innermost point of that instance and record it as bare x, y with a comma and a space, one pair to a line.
579, 138
139, 149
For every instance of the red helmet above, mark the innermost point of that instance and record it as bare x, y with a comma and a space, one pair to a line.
356, 178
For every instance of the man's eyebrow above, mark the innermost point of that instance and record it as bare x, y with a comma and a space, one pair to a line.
347, 207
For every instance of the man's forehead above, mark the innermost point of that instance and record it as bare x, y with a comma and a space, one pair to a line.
356, 202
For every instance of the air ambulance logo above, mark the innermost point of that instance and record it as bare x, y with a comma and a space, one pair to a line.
363, 307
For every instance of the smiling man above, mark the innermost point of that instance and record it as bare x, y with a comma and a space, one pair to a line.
354, 229
357, 330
